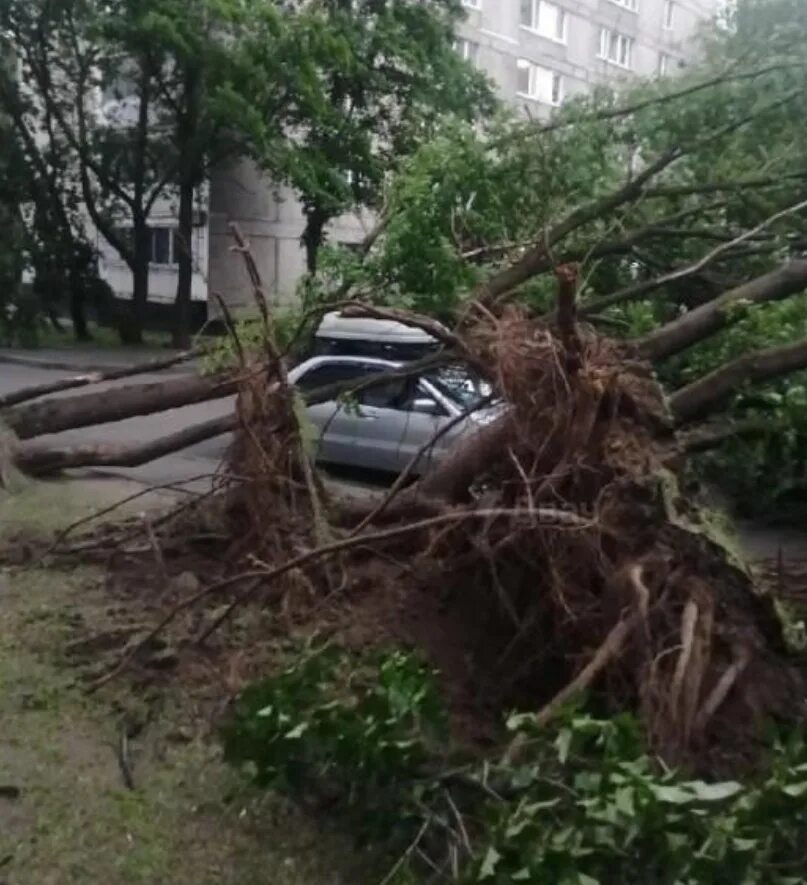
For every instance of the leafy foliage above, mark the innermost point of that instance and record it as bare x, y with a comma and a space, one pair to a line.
584, 804
321, 730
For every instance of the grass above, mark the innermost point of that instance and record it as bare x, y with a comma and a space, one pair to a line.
104, 338
190, 818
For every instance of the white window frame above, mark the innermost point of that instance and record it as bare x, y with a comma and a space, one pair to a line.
624, 51
173, 258
663, 64
630, 5
468, 50
535, 21
669, 15
535, 73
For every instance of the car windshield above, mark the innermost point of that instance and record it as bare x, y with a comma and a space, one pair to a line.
460, 384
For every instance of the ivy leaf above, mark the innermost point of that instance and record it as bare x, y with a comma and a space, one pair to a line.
489, 864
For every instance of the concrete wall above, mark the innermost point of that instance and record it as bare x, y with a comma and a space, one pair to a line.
271, 219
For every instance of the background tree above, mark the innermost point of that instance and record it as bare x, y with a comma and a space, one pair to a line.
374, 80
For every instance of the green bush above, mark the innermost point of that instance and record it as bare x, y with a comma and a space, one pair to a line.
585, 804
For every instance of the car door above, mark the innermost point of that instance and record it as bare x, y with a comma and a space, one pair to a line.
427, 413
335, 421
381, 419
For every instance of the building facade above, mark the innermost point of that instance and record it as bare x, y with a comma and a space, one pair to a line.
537, 52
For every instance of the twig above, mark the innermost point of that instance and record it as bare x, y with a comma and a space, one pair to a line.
406, 855
64, 533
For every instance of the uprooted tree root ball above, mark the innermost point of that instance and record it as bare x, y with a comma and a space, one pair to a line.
555, 550
550, 555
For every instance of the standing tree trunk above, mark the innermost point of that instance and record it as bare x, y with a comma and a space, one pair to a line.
182, 317
133, 319
313, 236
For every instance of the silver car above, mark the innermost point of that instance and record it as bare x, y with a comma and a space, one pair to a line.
384, 426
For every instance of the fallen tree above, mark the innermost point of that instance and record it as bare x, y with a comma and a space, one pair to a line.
554, 549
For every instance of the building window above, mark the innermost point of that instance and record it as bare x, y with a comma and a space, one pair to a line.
632, 5
616, 48
669, 14
544, 18
467, 49
163, 246
539, 83
663, 64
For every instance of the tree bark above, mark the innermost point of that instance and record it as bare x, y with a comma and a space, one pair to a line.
39, 460
705, 395
184, 241
713, 316
53, 416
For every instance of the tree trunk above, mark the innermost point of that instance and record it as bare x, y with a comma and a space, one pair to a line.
184, 246
313, 237
713, 316
133, 319
53, 416
707, 394
39, 460
78, 314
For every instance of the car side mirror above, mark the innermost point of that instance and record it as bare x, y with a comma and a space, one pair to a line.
425, 405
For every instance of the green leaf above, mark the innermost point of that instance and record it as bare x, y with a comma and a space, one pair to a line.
795, 790
489, 864
672, 795
297, 732
714, 792
563, 743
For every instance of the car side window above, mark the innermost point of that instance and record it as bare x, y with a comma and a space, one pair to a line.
330, 373
390, 394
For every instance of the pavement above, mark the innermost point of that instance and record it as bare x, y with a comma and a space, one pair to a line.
82, 359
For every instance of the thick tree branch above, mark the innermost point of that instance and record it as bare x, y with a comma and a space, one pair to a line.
713, 316
699, 399
85, 410
38, 459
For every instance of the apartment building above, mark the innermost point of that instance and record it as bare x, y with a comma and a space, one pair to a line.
537, 52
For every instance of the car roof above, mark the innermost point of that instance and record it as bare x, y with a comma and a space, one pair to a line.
334, 325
